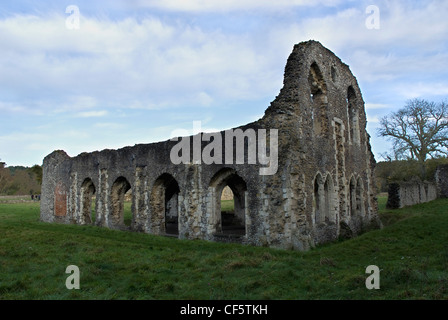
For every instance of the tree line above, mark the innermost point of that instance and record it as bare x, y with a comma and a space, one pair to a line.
405, 170
19, 180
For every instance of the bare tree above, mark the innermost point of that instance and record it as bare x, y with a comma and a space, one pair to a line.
419, 130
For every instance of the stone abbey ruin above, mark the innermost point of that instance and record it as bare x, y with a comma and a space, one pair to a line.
323, 188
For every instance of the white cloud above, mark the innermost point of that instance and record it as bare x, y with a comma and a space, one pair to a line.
15, 137
114, 62
72, 104
11, 107
23, 148
204, 99
74, 134
423, 89
370, 106
142, 105
230, 5
92, 114
373, 119
109, 125
138, 63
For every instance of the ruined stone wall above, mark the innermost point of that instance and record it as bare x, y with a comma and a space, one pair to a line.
327, 157
409, 193
323, 188
441, 177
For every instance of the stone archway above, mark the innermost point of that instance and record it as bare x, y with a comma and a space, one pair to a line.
323, 199
164, 203
118, 191
353, 116
231, 222
318, 200
318, 91
87, 192
330, 212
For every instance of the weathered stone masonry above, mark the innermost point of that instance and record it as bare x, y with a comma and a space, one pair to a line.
323, 189
409, 193
441, 177
415, 191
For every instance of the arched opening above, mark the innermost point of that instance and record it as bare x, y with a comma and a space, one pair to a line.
353, 115
119, 189
127, 210
227, 201
319, 100
359, 197
229, 221
317, 199
329, 204
165, 205
323, 199
352, 197
87, 192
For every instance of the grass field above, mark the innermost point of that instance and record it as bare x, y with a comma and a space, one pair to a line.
227, 205
411, 252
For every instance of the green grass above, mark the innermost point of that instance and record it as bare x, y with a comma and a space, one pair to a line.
227, 205
382, 200
127, 213
411, 252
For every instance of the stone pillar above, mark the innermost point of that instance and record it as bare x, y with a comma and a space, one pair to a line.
139, 202
74, 201
102, 199
55, 181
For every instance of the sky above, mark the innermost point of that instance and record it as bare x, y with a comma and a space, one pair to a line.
132, 72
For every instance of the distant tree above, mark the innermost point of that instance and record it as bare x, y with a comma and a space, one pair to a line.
19, 180
419, 130
37, 171
4, 178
